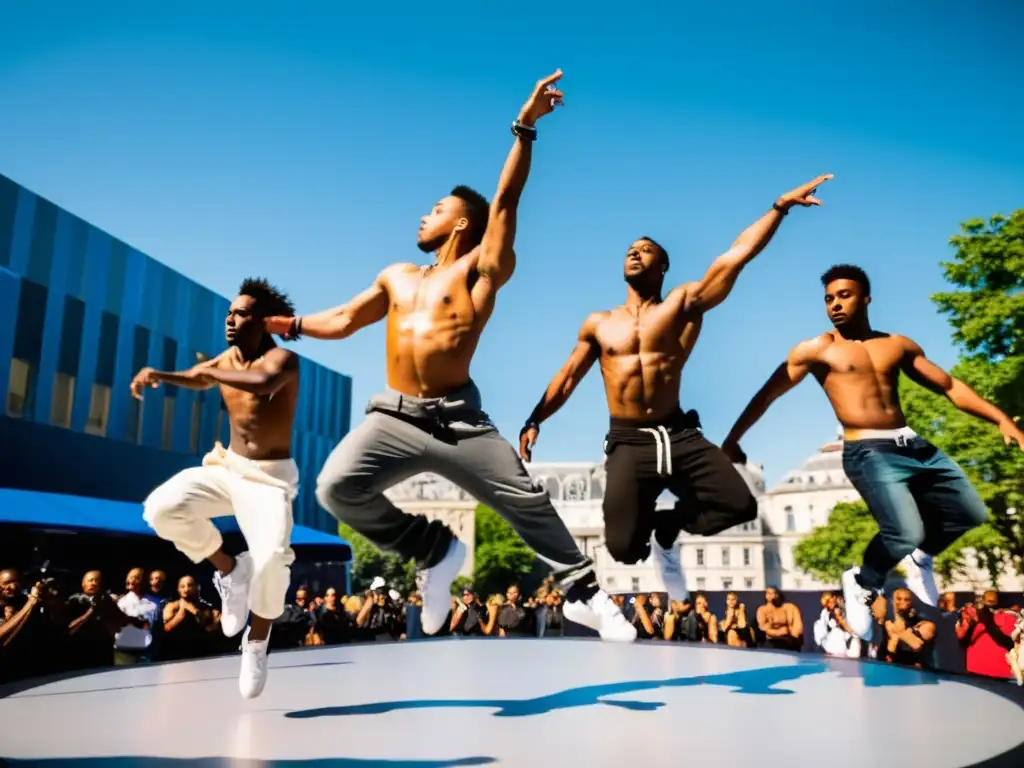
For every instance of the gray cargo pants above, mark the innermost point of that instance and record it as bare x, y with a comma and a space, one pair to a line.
403, 436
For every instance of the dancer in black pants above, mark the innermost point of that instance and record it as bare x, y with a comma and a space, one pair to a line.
652, 445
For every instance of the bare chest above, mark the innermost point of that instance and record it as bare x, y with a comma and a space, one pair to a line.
623, 333
876, 357
435, 293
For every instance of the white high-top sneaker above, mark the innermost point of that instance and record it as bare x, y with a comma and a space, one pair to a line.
254, 666
435, 585
921, 577
668, 564
601, 615
234, 595
858, 605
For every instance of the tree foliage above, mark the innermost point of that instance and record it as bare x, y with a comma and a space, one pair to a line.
369, 562
837, 545
986, 311
501, 557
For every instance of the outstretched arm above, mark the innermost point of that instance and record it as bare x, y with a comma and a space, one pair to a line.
786, 376
717, 283
195, 378
930, 376
279, 367
365, 309
497, 258
582, 359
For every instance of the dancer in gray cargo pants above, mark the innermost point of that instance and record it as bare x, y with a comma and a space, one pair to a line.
402, 436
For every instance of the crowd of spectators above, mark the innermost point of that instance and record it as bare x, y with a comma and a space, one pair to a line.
45, 631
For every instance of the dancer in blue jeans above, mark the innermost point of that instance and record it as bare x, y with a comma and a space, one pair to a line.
920, 498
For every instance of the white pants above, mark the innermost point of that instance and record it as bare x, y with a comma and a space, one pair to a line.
258, 493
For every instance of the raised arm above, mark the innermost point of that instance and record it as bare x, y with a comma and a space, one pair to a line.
365, 309
497, 258
279, 367
930, 376
717, 283
582, 359
196, 377
786, 376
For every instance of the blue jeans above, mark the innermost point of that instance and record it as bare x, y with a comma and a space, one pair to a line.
917, 494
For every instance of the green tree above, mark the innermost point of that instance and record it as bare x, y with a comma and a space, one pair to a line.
986, 311
835, 546
501, 557
369, 562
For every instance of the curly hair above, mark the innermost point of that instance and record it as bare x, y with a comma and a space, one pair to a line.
269, 300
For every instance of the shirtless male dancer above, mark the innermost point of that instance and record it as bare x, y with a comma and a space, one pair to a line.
651, 444
430, 419
255, 479
920, 498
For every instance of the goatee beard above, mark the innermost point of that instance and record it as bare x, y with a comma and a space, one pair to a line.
429, 246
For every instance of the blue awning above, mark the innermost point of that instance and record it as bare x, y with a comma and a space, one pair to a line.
57, 510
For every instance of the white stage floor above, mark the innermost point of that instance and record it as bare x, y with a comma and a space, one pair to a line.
512, 702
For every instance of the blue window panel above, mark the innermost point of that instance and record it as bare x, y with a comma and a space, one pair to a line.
345, 423
69, 352
40, 252
153, 399
52, 327
127, 306
8, 209
117, 275
77, 283
22, 240
95, 269
10, 287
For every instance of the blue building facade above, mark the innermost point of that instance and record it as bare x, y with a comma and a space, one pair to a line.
80, 313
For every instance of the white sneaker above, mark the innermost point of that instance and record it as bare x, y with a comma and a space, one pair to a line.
234, 595
603, 616
254, 666
921, 577
858, 605
668, 565
436, 587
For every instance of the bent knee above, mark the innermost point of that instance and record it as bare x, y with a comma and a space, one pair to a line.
336, 490
627, 552
162, 505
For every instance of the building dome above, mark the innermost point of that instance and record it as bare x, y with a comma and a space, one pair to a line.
824, 469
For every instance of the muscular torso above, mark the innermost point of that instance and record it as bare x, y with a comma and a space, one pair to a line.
433, 327
261, 425
642, 354
776, 616
861, 379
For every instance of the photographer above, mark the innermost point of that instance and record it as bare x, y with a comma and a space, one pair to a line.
94, 621
380, 617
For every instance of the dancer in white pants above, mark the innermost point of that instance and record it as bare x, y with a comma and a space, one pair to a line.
255, 478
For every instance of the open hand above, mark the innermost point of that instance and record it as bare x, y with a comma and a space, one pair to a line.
144, 378
804, 194
527, 439
732, 449
1012, 434
543, 100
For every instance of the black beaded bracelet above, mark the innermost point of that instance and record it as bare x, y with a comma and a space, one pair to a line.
527, 132
780, 209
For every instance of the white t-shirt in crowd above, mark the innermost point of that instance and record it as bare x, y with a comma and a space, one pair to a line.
136, 638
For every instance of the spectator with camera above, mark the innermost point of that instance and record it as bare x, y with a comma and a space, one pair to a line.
380, 617
33, 628
468, 616
95, 619
514, 618
985, 631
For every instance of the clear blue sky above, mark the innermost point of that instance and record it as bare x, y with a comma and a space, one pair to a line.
229, 139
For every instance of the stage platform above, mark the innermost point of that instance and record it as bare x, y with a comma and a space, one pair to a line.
528, 703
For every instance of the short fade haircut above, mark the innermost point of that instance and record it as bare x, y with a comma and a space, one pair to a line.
660, 247
847, 272
477, 210
270, 302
